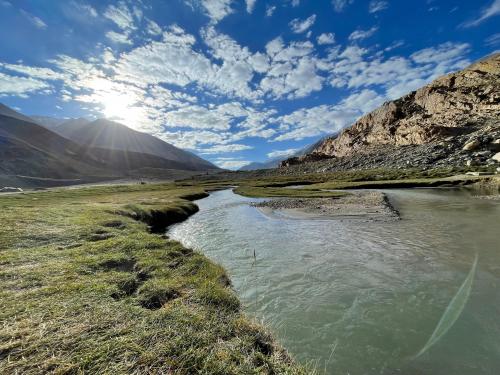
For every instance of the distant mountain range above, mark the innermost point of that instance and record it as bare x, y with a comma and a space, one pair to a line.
39, 151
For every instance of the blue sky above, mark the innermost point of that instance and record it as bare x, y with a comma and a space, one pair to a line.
233, 80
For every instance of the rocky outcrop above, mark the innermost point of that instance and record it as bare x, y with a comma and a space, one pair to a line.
316, 156
462, 107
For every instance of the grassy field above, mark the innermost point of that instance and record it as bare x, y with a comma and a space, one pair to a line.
86, 286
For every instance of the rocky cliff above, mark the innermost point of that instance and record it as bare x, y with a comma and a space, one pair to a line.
454, 110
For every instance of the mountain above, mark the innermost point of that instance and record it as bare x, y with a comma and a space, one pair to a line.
113, 135
29, 151
47, 122
453, 121
275, 162
6, 111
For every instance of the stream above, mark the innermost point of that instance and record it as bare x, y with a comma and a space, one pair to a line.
363, 297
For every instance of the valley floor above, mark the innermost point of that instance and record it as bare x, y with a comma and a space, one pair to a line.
89, 283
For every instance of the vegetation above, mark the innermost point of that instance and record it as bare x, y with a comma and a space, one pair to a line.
85, 287
263, 192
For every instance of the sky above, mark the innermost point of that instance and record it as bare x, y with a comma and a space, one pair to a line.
235, 81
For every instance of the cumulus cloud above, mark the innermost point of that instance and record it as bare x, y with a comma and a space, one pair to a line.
326, 38
340, 5
270, 10
153, 28
377, 6
299, 26
20, 86
250, 5
492, 10
216, 10
362, 34
314, 121
121, 15
119, 38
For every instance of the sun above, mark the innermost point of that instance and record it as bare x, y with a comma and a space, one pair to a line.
117, 102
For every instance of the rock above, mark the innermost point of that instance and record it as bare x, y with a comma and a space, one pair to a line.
496, 157
469, 163
303, 159
477, 173
495, 145
472, 145
447, 109
9, 189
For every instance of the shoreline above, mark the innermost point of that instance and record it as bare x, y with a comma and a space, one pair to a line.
359, 205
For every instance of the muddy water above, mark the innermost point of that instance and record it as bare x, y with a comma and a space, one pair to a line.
360, 297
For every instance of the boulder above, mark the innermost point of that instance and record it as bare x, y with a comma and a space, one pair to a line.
472, 145
496, 157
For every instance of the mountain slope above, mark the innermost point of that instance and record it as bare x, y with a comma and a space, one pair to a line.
50, 123
112, 135
453, 105
29, 151
80, 159
7, 111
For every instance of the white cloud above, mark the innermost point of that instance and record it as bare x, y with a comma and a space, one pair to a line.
492, 10
5, 3
250, 5
153, 28
340, 5
443, 53
327, 119
120, 15
216, 10
299, 26
221, 149
120, 38
493, 40
362, 34
326, 38
20, 86
377, 6
227, 163
34, 72
278, 154
36, 21
270, 10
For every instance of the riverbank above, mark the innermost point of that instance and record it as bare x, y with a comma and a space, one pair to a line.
86, 285
370, 205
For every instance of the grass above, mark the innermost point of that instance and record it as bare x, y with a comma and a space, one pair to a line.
86, 287
263, 192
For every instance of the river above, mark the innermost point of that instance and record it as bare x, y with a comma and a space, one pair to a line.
363, 297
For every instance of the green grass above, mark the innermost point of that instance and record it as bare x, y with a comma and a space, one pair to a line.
85, 287
264, 192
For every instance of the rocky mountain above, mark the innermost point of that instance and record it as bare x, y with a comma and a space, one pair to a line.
30, 154
455, 120
113, 135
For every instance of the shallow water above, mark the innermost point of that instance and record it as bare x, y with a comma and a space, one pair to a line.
359, 297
